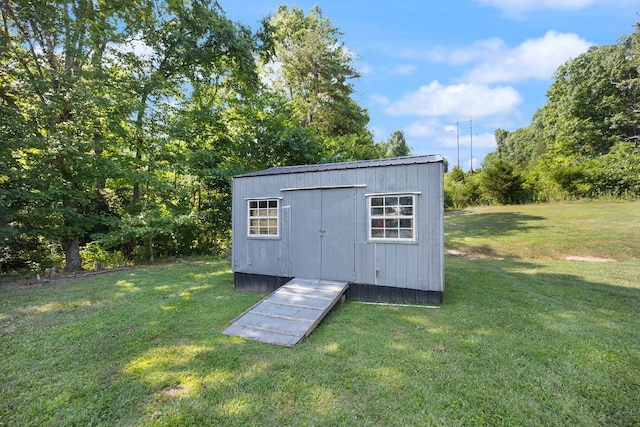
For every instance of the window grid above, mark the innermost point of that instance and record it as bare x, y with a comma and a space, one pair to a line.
391, 217
263, 218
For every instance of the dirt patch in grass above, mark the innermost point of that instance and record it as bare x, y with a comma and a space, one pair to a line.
472, 255
588, 259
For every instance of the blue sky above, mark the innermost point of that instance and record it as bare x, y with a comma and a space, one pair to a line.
485, 64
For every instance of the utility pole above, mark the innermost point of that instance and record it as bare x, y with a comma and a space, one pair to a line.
458, 140
471, 142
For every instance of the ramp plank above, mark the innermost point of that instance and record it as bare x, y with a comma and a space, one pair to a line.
288, 314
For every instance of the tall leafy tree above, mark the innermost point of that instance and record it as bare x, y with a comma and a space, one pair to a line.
630, 86
56, 83
311, 66
524, 146
499, 181
585, 114
588, 113
396, 146
90, 90
195, 60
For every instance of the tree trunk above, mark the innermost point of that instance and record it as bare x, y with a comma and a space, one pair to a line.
72, 260
151, 249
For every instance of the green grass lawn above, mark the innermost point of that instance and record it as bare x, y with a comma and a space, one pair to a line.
530, 339
601, 229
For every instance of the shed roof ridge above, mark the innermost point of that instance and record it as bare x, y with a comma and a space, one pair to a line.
319, 167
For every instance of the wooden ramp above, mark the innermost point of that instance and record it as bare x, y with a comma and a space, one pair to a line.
290, 313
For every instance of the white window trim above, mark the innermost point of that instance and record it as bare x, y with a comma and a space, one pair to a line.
277, 217
370, 238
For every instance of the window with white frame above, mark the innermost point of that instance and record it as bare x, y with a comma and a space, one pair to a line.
263, 218
392, 217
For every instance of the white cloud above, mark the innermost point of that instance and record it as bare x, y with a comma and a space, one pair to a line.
425, 128
461, 100
401, 70
481, 140
365, 68
478, 51
517, 7
379, 99
533, 59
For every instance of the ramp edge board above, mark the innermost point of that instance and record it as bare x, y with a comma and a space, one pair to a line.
285, 317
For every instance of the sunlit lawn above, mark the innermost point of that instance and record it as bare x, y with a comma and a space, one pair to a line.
516, 342
601, 229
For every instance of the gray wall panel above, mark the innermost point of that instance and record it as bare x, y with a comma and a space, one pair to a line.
405, 265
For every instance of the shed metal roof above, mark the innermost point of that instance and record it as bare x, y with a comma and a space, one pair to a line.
409, 160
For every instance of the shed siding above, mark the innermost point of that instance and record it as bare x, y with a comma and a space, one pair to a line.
412, 265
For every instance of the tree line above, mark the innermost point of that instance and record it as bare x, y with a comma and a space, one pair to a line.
122, 123
583, 143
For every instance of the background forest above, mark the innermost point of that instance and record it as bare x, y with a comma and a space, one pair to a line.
585, 142
122, 124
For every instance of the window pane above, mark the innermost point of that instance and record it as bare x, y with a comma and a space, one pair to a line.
254, 222
377, 223
273, 231
406, 223
273, 212
253, 212
377, 232
391, 234
391, 223
390, 201
262, 204
273, 203
253, 230
273, 222
391, 211
406, 210
376, 201
406, 201
377, 211
253, 204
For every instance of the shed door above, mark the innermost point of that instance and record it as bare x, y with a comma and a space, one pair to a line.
322, 233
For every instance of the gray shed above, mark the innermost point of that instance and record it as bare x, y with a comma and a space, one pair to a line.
376, 224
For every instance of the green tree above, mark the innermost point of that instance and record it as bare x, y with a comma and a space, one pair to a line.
630, 86
90, 91
499, 181
585, 114
196, 61
57, 80
456, 174
524, 146
396, 146
312, 67
461, 189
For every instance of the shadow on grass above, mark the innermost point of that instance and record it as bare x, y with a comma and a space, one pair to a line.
515, 343
464, 224
463, 227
